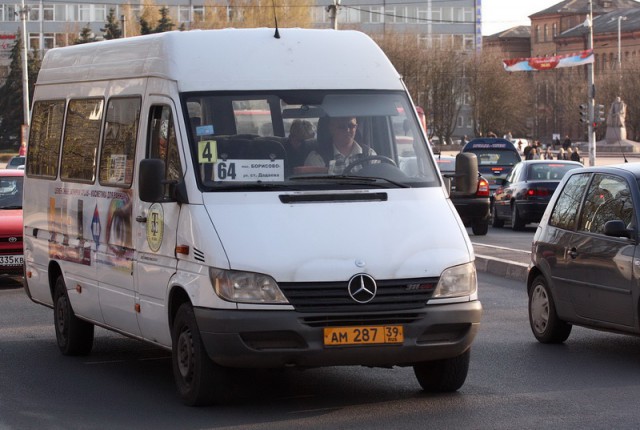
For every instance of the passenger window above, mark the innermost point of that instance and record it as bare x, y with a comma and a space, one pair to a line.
565, 212
81, 138
44, 138
608, 198
119, 142
162, 142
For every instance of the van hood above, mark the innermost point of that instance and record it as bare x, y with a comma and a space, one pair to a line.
413, 233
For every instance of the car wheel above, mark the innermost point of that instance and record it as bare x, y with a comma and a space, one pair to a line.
496, 222
544, 321
198, 379
74, 336
443, 376
517, 223
480, 228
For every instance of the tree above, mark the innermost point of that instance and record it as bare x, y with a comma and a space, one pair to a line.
164, 23
500, 101
111, 29
86, 36
11, 100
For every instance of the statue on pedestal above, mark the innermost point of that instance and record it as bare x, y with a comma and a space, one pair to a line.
617, 113
616, 131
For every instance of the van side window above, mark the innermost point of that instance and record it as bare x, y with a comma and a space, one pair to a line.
44, 138
565, 212
162, 141
608, 198
81, 138
119, 141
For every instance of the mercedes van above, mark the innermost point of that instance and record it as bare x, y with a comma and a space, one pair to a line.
152, 210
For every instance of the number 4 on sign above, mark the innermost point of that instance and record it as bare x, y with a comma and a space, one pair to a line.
207, 151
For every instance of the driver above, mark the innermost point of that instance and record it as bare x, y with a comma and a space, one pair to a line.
343, 150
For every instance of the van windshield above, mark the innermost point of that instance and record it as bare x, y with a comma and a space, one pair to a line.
303, 139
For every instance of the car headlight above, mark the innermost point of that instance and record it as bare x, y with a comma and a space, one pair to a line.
457, 281
245, 287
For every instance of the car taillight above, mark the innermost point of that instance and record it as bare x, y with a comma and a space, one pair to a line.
538, 192
483, 188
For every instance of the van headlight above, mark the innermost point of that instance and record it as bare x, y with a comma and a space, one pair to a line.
245, 287
457, 281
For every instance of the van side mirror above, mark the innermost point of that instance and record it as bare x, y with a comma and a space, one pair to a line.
466, 173
151, 180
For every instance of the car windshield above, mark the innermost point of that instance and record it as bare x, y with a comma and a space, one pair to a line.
11, 192
307, 139
495, 157
549, 171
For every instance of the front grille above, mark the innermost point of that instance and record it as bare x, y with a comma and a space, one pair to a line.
11, 239
397, 294
361, 319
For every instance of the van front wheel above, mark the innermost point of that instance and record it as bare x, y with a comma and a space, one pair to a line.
443, 376
74, 336
198, 379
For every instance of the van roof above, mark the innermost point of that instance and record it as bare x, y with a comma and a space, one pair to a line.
230, 59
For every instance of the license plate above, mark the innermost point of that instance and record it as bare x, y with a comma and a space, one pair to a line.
366, 335
11, 260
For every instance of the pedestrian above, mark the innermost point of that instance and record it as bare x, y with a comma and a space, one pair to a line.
567, 142
568, 154
575, 155
547, 154
561, 154
520, 146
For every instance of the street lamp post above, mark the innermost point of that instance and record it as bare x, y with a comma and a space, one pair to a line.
25, 65
620, 19
591, 92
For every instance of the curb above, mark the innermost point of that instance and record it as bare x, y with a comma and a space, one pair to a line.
500, 267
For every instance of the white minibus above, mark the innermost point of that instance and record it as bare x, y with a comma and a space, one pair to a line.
167, 199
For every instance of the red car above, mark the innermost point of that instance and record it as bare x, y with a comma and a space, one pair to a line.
11, 254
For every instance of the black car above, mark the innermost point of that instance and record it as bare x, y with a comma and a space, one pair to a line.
523, 196
496, 157
473, 209
584, 255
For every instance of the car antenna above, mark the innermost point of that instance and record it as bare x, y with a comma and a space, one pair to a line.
275, 18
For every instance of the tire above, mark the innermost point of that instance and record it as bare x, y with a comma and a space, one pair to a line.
74, 336
517, 223
198, 379
496, 222
443, 376
544, 322
480, 228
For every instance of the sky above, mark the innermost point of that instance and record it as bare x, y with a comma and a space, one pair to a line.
499, 15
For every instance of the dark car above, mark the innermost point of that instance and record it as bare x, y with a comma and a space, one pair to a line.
496, 158
11, 254
584, 256
15, 162
473, 209
523, 196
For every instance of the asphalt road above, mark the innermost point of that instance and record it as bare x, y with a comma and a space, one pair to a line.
591, 382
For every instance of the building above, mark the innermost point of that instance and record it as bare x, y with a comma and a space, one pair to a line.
512, 43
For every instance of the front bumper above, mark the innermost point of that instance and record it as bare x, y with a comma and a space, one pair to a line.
272, 339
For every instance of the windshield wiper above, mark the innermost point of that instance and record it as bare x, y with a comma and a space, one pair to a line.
350, 179
12, 207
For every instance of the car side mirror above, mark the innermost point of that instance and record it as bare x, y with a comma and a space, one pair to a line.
616, 228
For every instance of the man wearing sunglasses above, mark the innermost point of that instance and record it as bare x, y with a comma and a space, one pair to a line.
343, 150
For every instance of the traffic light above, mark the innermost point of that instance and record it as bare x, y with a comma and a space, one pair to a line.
600, 114
584, 113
